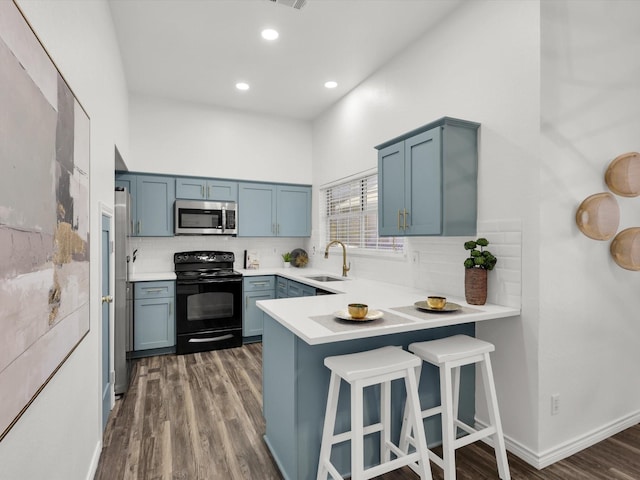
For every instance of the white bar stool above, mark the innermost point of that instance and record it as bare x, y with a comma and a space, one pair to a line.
449, 354
360, 370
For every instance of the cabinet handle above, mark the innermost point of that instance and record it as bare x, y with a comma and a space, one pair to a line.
259, 284
202, 191
399, 213
139, 226
404, 214
154, 290
277, 229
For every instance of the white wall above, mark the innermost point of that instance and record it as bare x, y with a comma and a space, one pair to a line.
589, 322
182, 138
549, 130
59, 435
463, 68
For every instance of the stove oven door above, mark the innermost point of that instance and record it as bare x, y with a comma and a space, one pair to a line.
208, 314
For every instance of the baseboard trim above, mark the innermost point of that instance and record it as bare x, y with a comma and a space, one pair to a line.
543, 459
95, 459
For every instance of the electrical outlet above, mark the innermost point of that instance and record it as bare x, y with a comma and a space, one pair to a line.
555, 404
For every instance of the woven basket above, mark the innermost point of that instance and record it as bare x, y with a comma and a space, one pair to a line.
475, 286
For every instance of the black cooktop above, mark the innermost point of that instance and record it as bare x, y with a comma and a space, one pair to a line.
203, 265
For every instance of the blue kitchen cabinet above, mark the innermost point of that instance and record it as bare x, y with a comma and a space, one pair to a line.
206, 189
255, 288
154, 205
282, 287
294, 211
297, 289
256, 210
270, 210
152, 198
427, 180
128, 181
154, 316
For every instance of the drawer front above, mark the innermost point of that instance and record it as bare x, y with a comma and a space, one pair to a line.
263, 282
161, 289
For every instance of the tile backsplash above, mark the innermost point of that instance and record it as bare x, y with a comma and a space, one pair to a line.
155, 254
432, 264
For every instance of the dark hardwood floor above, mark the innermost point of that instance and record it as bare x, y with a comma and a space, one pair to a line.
199, 417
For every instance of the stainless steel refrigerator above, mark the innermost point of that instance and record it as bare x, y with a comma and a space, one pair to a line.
123, 330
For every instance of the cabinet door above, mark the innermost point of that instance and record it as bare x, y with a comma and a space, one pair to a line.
294, 289
222, 190
156, 196
391, 190
154, 323
256, 210
191, 188
423, 181
252, 314
128, 181
294, 211
282, 285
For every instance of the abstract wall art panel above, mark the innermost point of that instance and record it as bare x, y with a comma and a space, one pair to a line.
44, 218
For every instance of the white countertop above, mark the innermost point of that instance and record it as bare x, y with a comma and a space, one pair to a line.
294, 313
151, 276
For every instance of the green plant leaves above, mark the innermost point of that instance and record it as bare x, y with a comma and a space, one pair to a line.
479, 258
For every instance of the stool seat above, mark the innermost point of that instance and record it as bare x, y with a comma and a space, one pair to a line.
451, 349
381, 361
381, 367
449, 355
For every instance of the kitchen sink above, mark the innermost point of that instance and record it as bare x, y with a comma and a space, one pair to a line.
325, 278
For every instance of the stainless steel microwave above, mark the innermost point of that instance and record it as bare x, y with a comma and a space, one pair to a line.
196, 217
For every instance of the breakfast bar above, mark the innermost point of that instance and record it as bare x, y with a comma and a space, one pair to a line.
299, 333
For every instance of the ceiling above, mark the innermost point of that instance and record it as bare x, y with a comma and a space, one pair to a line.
197, 50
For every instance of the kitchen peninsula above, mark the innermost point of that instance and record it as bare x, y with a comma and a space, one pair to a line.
300, 332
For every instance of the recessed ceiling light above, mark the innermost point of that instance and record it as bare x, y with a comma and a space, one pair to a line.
242, 86
331, 84
270, 34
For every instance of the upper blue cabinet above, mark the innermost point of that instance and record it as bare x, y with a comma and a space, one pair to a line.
152, 198
427, 180
206, 189
268, 210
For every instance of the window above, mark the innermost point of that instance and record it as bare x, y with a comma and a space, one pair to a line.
351, 216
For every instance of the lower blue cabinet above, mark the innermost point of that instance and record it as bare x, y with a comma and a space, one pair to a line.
154, 315
255, 288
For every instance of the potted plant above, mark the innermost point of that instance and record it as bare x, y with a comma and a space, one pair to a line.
286, 258
476, 266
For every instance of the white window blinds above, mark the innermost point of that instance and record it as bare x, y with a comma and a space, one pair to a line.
351, 216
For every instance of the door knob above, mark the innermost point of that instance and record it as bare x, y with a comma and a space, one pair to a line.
107, 299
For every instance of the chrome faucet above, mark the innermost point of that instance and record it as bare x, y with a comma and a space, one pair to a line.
345, 269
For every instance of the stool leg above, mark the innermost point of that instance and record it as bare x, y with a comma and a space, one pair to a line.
357, 432
329, 425
455, 378
415, 419
448, 428
407, 427
494, 418
385, 420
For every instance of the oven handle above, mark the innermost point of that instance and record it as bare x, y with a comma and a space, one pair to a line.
211, 339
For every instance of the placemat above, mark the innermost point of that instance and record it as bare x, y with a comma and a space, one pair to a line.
338, 325
424, 315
